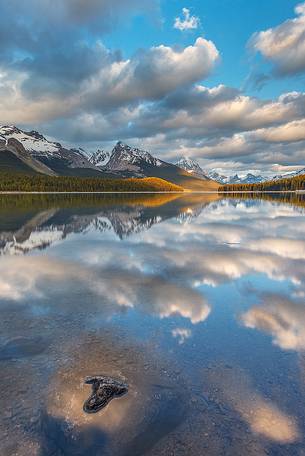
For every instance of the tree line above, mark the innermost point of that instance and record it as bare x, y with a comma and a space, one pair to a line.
40, 183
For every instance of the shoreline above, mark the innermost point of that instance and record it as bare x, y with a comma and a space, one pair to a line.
186, 192
251, 192
85, 193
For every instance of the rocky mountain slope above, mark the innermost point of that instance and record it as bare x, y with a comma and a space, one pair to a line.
50, 157
287, 175
248, 179
53, 155
30, 152
100, 158
126, 161
191, 166
14, 157
129, 160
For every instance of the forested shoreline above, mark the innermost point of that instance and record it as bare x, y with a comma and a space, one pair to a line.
40, 183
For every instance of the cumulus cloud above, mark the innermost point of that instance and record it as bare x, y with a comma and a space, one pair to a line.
289, 132
106, 82
187, 22
284, 45
233, 126
152, 73
82, 11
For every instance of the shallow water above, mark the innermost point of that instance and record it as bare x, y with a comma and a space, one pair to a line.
196, 302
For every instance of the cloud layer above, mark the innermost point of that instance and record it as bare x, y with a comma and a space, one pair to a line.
58, 76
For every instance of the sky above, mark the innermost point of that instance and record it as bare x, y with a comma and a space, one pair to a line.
221, 81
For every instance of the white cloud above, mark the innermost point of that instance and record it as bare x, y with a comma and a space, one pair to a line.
284, 45
289, 132
187, 22
149, 75
152, 73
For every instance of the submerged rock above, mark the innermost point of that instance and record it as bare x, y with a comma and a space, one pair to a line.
104, 389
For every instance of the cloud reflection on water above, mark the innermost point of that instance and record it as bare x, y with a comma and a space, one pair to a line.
280, 317
42, 277
260, 413
81, 268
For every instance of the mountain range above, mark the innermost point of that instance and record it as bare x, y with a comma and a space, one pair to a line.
30, 152
192, 167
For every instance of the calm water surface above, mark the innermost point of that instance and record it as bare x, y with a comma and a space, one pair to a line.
196, 302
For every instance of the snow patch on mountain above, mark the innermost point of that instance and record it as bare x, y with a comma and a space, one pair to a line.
288, 175
32, 141
100, 157
191, 166
217, 177
134, 155
44, 150
130, 159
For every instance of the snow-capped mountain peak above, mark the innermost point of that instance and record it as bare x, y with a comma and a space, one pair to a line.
191, 166
32, 141
130, 159
236, 179
217, 177
252, 179
47, 151
133, 154
287, 175
100, 157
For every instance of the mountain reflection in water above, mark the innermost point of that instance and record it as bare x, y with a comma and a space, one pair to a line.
196, 301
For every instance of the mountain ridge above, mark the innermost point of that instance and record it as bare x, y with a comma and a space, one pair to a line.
61, 160
191, 165
126, 161
31, 152
123, 162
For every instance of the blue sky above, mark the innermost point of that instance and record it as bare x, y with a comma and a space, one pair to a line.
228, 23
223, 83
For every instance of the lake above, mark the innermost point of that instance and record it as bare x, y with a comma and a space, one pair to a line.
195, 301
